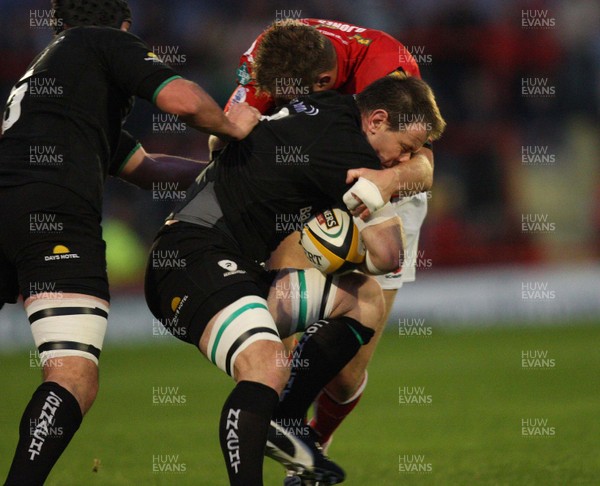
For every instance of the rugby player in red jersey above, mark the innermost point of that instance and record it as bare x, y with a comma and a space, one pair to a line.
292, 58
353, 58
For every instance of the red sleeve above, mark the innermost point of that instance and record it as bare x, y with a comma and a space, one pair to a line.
246, 89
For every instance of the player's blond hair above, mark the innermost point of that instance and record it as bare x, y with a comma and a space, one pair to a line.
291, 54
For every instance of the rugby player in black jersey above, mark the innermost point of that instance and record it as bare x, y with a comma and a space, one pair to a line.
60, 131
226, 304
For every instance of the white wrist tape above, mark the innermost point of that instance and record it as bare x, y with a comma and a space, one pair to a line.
385, 213
367, 192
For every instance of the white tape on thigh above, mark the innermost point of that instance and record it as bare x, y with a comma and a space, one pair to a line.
240, 324
312, 297
68, 327
367, 192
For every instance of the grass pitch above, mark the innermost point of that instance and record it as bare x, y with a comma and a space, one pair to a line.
451, 408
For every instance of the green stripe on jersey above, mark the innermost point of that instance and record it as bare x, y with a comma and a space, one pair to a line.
162, 85
360, 339
302, 310
128, 158
229, 320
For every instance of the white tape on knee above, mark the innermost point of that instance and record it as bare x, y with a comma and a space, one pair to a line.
240, 324
367, 192
312, 296
68, 327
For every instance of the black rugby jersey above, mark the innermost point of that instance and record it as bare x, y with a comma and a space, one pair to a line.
63, 119
291, 166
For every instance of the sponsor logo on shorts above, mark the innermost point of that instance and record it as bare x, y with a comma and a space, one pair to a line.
394, 276
231, 267
177, 304
61, 252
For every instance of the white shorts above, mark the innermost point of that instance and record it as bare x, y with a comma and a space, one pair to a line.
412, 210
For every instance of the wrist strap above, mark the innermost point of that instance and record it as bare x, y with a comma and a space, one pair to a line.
383, 214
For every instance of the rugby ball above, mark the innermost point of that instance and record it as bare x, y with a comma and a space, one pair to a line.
332, 243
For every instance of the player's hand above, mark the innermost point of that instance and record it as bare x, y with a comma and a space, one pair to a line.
243, 118
385, 180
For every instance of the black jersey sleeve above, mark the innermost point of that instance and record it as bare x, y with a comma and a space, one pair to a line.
133, 65
125, 150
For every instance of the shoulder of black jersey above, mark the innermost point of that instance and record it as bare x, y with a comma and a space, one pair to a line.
322, 100
330, 96
103, 33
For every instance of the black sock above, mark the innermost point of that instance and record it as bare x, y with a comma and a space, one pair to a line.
324, 349
243, 431
47, 426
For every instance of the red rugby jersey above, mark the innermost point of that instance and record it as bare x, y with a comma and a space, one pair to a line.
363, 55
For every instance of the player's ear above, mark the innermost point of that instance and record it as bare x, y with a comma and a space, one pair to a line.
377, 119
324, 82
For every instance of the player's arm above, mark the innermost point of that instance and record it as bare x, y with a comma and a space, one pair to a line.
383, 237
413, 176
144, 170
138, 71
133, 164
195, 107
407, 178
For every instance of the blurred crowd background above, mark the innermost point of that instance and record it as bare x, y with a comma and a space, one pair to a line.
476, 54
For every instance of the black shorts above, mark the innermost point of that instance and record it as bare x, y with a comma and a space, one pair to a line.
194, 272
50, 243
